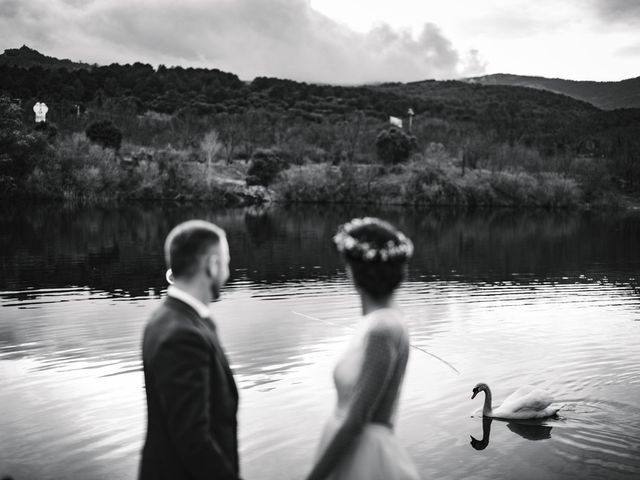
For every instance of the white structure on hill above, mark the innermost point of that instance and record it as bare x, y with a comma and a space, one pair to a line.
395, 121
41, 110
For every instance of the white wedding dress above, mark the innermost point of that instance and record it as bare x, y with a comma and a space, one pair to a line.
358, 442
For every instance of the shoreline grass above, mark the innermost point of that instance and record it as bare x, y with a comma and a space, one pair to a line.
79, 172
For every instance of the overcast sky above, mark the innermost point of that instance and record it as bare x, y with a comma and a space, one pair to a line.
340, 41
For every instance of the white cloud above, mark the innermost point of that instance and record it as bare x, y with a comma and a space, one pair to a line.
339, 41
578, 39
284, 38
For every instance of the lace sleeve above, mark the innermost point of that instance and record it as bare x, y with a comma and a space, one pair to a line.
379, 360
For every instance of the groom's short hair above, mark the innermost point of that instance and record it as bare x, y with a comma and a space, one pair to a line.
187, 243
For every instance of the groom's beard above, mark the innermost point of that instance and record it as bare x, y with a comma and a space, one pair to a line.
215, 291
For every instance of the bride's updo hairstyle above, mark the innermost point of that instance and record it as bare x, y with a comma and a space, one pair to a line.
376, 252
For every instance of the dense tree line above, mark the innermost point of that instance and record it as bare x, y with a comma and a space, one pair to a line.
177, 106
509, 113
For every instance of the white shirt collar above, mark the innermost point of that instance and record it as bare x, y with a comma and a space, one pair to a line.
190, 300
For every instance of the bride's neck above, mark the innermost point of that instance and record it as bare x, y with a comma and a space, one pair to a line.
370, 304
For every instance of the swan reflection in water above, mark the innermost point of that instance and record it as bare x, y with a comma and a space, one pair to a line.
528, 429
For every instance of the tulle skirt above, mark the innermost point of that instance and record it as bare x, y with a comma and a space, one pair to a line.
375, 455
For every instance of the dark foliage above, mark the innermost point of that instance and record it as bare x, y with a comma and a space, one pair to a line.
265, 166
395, 146
106, 134
605, 95
27, 57
48, 129
19, 147
488, 126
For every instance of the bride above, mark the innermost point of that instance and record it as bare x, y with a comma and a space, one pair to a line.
358, 441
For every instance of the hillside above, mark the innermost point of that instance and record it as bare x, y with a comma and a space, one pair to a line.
25, 57
178, 90
489, 126
604, 95
493, 104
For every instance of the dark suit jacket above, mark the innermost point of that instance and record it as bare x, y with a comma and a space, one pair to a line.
192, 399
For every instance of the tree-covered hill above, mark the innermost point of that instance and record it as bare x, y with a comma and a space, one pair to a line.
26, 57
605, 95
481, 126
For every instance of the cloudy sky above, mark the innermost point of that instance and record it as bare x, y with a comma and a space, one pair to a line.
340, 41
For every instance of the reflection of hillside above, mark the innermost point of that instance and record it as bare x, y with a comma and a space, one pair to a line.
121, 250
534, 244
53, 247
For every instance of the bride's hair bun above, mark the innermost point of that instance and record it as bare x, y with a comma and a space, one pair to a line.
377, 254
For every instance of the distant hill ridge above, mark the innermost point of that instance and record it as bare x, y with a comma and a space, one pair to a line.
484, 124
604, 95
26, 57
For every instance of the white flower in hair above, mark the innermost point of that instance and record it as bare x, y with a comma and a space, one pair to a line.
347, 244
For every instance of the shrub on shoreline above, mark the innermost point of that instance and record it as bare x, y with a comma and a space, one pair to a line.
106, 134
426, 183
394, 146
265, 166
81, 171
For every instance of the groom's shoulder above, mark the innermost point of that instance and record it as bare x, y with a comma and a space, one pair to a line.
166, 324
170, 329
167, 317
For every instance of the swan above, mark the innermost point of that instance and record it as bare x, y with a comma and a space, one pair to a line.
526, 402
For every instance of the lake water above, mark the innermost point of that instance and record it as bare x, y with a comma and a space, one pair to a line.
508, 298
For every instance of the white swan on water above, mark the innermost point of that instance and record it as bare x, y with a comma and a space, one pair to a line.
526, 402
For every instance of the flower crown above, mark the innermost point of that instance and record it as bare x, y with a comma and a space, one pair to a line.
348, 245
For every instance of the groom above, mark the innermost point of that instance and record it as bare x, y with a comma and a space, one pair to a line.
192, 398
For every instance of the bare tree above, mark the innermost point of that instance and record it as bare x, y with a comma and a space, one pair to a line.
352, 130
254, 126
230, 129
210, 146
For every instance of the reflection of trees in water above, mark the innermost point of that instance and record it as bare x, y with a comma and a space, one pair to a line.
493, 245
54, 247
535, 244
114, 250
260, 226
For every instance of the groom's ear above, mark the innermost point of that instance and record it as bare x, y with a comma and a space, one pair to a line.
212, 266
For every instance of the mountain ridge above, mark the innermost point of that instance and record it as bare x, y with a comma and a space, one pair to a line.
606, 95
493, 127
26, 57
